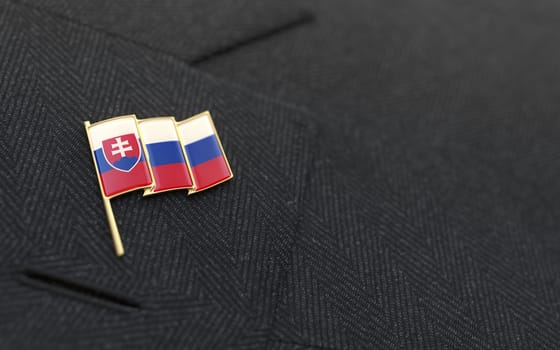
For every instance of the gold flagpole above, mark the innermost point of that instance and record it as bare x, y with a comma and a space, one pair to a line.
117, 242
119, 250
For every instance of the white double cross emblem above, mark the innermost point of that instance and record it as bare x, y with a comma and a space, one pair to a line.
120, 147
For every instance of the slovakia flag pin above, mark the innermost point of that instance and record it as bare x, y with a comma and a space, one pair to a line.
155, 154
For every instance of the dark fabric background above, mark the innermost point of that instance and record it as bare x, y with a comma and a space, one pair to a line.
395, 175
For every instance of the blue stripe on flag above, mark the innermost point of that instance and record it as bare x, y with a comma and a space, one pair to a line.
102, 164
203, 150
162, 153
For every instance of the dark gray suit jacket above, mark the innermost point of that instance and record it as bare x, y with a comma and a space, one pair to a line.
395, 175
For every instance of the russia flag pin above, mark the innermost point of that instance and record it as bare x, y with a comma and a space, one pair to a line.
157, 155
204, 152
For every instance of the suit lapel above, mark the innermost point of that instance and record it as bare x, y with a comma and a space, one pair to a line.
217, 255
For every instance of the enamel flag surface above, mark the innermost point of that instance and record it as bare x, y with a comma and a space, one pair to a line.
165, 155
209, 165
118, 155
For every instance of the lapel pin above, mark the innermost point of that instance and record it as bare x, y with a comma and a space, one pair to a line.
157, 155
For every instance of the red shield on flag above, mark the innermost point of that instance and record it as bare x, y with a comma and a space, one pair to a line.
122, 152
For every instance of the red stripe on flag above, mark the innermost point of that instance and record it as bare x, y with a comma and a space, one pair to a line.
116, 182
210, 173
171, 177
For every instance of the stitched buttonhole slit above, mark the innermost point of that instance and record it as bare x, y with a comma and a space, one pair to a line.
77, 290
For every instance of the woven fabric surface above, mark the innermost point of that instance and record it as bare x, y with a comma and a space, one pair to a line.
409, 205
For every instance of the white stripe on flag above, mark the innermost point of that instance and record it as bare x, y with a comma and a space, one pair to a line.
156, 130
196, 129
111, 128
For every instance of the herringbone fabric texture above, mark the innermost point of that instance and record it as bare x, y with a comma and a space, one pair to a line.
205, 266
191, 30
339, 230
